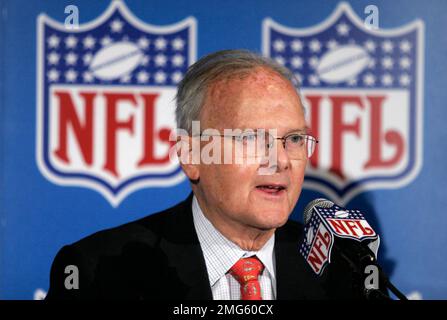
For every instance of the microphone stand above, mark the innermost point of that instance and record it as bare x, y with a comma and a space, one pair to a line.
366, 257
391, 287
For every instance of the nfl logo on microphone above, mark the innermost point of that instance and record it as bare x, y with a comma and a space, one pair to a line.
362, 90
105, 105
328, 223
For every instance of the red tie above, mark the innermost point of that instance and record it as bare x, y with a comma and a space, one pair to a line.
246, 272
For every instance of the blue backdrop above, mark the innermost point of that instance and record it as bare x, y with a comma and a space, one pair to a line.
38, 216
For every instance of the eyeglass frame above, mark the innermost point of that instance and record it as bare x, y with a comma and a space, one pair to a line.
255, 132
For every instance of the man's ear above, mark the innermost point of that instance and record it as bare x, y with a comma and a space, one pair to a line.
189, 157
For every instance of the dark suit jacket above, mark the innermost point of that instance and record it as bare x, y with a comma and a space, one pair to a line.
159, 257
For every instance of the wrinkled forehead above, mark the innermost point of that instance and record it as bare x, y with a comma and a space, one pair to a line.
261, 98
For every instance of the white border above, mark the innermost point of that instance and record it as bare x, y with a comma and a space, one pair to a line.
418, 25
43, 19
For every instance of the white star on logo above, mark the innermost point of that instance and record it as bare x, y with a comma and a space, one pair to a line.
53, 75
405, 63
53, 41
404, 80
71, 75
177, 77
296, 62
342, 29
280, 60
116, 25
178, 44
53, 58
143, 42
279, 45
370, 45
178, 60
387, 79
387, 46
71, 58
89, 42
332, 44
160, 43
297, 45
106, 41
405, 46
387, 62
125, 78
369, 79
313, 62
160, 60
160, 77
71, 41
142, 76
87, 58
87, 76
299, 77
315, 45
314, 80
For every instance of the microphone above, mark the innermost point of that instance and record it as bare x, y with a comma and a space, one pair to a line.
332, 232
329, 228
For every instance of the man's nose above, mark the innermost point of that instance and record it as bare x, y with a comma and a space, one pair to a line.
277, 160
283, 160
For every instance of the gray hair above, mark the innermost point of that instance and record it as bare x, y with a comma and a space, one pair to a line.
217, 66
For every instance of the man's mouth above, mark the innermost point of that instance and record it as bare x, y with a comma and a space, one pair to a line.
272, 189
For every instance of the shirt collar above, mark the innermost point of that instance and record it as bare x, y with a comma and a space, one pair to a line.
220, 253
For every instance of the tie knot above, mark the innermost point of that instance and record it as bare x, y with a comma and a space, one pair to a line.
247, 269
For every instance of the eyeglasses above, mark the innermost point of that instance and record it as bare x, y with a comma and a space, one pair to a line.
258, 143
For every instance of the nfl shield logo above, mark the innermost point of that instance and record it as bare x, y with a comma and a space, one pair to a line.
326, 224
106, 101
363, 93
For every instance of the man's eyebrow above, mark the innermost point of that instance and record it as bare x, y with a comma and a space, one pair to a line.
299, 130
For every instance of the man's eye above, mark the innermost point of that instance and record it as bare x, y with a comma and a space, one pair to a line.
296, 139
247, 138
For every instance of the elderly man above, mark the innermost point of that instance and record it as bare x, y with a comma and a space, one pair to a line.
231, 238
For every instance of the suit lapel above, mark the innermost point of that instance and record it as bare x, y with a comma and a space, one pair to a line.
295, 281
182, 248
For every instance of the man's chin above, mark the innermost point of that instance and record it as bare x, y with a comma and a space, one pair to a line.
273, 223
